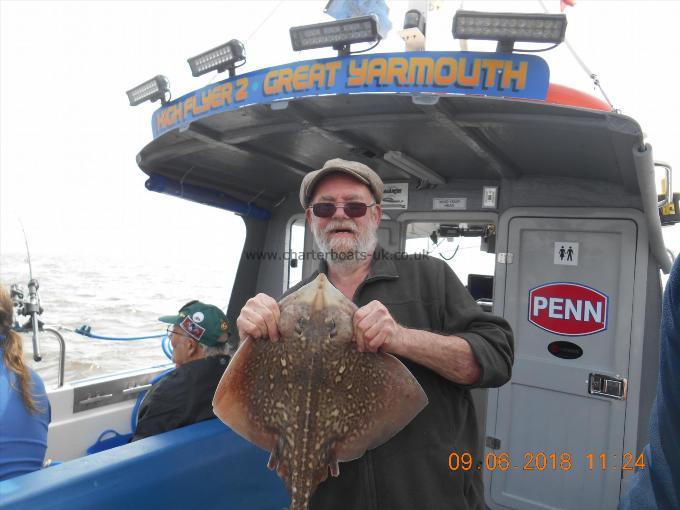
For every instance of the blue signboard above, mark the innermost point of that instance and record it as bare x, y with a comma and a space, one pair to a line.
490, 74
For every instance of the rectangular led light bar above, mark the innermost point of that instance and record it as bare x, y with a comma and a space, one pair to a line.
335, 33
498, 26
220, 58
151, 90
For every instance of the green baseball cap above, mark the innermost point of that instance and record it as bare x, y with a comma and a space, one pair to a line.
204, 323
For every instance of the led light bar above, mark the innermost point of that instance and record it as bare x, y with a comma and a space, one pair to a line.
221, 58
152, 90
335, 33
498, 26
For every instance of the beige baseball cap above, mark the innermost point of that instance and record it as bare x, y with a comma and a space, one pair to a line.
357, 170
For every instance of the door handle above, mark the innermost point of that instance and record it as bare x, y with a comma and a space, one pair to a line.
608, 386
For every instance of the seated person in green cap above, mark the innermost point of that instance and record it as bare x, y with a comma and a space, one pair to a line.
199, 349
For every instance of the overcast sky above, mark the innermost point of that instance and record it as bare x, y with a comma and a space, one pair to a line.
68, 138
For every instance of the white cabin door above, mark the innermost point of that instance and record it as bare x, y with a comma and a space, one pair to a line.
569, 299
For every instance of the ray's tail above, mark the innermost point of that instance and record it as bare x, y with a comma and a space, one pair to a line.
299, 501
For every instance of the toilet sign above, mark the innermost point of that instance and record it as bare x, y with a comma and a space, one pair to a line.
569, 309
566, 253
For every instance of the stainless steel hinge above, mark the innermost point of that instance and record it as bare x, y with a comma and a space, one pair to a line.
492, 442
504, 258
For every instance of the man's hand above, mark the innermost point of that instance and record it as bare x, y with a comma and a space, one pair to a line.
375, 328
259, 318
450, 356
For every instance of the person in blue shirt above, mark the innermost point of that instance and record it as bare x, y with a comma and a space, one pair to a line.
24, 408
657, 486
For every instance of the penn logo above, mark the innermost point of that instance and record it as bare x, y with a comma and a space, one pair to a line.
568, 309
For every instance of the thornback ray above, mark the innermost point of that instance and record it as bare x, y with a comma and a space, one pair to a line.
311, 398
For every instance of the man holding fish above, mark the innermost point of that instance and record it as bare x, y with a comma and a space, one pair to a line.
411, 309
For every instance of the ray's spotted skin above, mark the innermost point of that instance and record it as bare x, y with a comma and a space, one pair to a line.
312, 399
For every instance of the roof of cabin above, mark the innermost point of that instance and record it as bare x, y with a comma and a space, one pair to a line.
260, 153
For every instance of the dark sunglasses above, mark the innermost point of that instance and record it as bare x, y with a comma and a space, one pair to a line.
352, 209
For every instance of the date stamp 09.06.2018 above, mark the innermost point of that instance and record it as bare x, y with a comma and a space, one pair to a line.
546, 461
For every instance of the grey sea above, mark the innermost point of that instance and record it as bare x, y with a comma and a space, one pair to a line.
116, 298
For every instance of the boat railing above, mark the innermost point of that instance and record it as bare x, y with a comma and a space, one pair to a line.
62, 354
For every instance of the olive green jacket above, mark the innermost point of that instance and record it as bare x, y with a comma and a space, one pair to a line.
411, 471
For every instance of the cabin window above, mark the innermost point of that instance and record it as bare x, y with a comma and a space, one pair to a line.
468, 248
295, 247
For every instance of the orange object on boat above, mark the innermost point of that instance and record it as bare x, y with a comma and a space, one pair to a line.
559, 94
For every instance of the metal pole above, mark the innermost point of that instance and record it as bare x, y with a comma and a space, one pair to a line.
62, 355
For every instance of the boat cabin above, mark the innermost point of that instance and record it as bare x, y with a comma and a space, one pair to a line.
541, 198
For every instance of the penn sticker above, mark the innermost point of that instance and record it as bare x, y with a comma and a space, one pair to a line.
569, 309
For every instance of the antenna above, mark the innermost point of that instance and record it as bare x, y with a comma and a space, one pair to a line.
28, 252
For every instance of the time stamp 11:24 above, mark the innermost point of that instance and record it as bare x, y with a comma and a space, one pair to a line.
542, 461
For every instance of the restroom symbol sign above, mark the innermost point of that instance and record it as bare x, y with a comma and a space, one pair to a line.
566, 253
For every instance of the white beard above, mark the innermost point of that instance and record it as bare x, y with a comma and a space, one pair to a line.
345, 251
